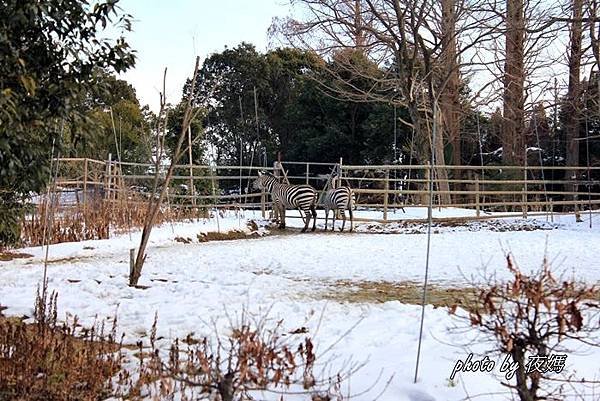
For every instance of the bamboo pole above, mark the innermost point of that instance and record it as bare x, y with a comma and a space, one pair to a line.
386, 195
108, 174
192, 189
85, 182
477, 206
524, 194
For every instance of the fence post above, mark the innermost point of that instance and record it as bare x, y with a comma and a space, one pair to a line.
339, 183
524, 196
477, 207
108, 175
386, 189
425, 195
192, 189
131, 261
85, 180
307, 171
276, 166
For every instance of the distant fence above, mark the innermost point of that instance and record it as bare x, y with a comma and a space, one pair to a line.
510, 190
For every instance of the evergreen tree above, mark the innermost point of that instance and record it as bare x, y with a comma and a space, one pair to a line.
48, 53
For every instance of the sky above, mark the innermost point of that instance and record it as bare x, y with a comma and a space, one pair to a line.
172, 33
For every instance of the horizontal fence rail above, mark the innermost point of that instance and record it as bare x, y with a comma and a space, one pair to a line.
502, 190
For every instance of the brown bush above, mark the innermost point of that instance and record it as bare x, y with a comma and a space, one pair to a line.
251, 358
528, 318
95, 220
51, 361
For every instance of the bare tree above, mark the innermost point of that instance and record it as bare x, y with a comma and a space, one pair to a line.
450, 96
513, 143
572, 106
417, 43
159, 191
535, 320
517, 64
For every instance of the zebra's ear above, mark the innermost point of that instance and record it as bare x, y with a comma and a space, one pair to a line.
260, 173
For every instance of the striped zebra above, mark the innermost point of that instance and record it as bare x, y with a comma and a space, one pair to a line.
301, 197
340, 198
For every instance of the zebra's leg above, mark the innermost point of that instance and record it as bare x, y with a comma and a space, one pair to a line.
343, 212
351, 219
314, 216
326, 217
334, 214
305, 221
282, 216
303, 216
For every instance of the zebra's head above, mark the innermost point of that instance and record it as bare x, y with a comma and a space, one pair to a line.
262, 181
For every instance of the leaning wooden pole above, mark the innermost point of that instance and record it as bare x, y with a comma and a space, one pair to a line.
154, 204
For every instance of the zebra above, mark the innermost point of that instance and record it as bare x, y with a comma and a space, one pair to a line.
301, 197
340, 198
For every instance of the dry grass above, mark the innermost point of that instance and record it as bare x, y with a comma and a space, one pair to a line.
47, 360
8, 256
96, 220
406, 292
253, 232
51, 361
410, 292
231, 235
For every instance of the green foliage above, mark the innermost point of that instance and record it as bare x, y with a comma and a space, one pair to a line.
295, 116
230, 77
174, 125
10, 216
109, 120
48, 53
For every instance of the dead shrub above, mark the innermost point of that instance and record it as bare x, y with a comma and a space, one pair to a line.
50, 361
536, 320
95, 220
250, 359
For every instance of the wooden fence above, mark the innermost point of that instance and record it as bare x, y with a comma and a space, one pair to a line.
510, 190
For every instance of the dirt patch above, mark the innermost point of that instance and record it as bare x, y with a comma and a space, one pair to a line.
405, 291
255, 230
231, 235
8, 256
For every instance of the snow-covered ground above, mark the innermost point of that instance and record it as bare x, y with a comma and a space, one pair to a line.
193, 284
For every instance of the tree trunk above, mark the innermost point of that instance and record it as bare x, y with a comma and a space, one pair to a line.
573, 103
450, 97
513, 143
423, 129
441, 173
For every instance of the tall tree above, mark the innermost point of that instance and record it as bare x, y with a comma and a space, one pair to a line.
234, 74
450, 97
572, 105
48, 52
296, 118
109, 119
405, 31
513, 143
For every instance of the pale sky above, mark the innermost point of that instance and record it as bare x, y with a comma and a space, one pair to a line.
172, 33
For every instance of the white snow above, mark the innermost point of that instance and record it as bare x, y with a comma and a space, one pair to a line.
191, 285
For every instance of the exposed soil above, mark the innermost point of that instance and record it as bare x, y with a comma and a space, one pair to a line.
409, 292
